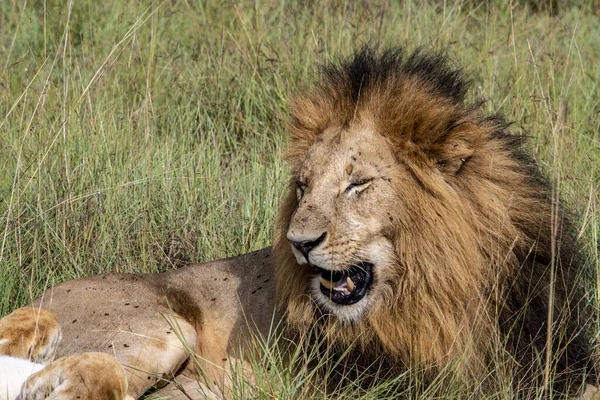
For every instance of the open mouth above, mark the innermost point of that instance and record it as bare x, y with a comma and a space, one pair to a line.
348, 286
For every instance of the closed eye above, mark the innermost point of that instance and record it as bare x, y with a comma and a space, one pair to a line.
300, 187
358, 186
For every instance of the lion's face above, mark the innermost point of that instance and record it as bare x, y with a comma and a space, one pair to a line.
414, 226
345, 192
396, 197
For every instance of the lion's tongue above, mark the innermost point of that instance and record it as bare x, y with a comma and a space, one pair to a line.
344, 284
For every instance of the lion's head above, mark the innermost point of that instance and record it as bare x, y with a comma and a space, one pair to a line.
412, 221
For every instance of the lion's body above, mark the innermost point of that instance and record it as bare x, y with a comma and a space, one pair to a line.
143, 320
446, 245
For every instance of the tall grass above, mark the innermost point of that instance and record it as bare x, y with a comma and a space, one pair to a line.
142, 136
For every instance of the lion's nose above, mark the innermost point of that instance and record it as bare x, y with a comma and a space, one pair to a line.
306, 246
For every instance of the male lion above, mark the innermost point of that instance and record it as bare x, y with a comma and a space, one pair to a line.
415, 232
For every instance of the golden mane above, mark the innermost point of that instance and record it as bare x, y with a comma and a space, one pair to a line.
474, 241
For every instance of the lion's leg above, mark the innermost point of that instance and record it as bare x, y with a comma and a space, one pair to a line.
30, 333
154, 359
186, 388
90, 375
28, 336
82, 376
123, 316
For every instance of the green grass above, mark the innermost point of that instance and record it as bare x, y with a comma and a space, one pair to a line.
142, 136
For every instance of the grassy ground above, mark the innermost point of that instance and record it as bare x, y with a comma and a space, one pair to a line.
142, 136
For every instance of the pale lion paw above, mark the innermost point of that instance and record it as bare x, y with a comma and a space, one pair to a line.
89, 376
30, 333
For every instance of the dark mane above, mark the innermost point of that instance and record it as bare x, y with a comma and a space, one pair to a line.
368, 71
482, 201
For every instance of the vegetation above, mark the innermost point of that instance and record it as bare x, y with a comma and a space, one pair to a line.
140, 136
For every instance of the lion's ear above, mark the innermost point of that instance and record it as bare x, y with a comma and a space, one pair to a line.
456, 148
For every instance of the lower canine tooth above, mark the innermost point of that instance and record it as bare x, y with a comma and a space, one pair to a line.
350, 284
327, 283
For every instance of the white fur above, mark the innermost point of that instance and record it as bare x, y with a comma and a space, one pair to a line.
13, 372
299, 256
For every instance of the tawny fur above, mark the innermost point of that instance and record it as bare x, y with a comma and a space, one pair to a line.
459, 225
29, 333
91, 376
472, 227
